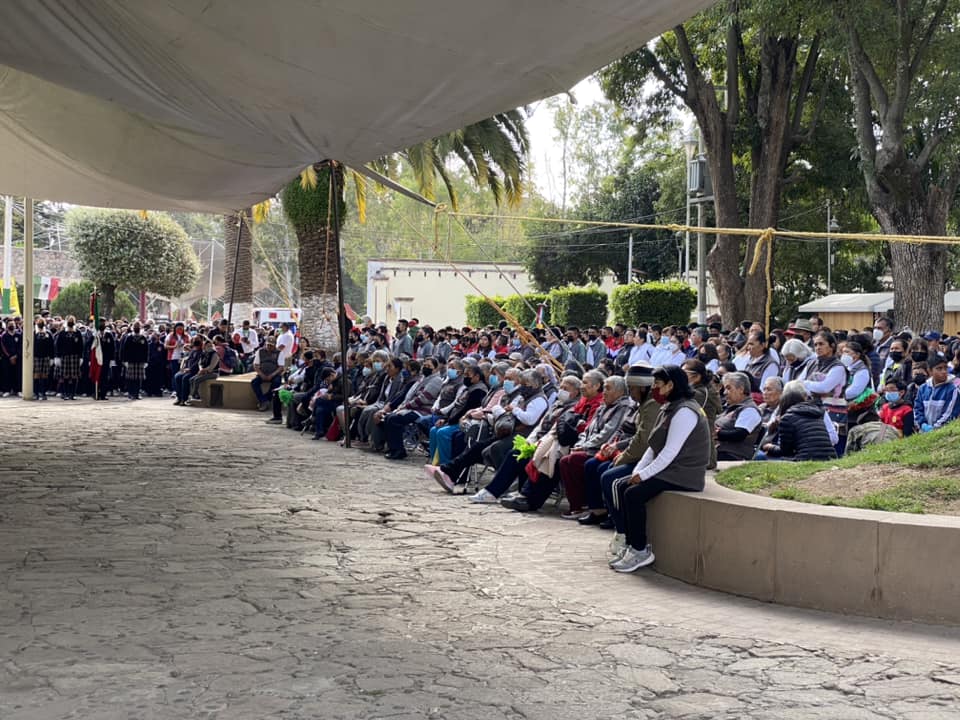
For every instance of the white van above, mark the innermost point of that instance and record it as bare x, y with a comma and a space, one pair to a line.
275, 316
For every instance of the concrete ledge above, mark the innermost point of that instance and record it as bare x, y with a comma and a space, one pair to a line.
232, 392
861, 562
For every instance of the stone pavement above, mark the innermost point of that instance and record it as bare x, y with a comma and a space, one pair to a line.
162, 562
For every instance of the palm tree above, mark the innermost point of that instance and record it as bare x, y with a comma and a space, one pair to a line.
494, 151
241, 265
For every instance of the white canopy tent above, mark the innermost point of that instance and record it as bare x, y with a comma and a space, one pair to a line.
214, 105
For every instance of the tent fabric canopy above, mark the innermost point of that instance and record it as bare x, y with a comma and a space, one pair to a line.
214, 105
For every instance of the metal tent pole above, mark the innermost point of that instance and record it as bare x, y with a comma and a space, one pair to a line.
26, 311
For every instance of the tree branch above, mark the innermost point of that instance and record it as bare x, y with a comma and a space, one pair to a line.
861, 64
803, 90
864, 126
930, 147
661, 74
734, 40
927, 38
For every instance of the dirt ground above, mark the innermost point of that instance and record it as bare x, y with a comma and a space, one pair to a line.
853, 483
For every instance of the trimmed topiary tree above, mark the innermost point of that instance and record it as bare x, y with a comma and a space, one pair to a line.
480, 313
578, 306
666, 303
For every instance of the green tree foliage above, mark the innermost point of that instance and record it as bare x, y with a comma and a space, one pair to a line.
122, 249
74, 299
578, 306
665, 303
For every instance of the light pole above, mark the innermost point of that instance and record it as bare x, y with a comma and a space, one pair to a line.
691, 143
832, 227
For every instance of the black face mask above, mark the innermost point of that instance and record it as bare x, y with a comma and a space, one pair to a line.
426, 370
616, 334
527, 392
919, 379
468, 381
919, 356
895, 355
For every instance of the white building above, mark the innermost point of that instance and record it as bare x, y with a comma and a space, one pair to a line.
435, 293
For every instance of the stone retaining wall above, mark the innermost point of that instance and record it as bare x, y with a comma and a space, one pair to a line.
862, 562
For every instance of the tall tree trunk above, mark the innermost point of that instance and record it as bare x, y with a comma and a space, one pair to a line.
919, 271
242, 296
319, 275
109, 295
770, 151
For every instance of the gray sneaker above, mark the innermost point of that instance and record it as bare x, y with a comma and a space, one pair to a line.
634, 559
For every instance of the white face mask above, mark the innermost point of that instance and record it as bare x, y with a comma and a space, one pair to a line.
847, 360
877, 335
563, 396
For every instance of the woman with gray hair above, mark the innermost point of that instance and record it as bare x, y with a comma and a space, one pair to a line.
548, 381
797, 355
801, 430
738, 428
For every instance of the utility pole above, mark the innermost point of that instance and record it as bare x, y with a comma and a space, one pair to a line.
7, 277
210, 281
630, 259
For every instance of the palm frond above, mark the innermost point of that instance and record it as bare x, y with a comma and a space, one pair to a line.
261, 211
308, 178
360, 189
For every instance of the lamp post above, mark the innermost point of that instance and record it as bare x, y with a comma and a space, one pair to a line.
691, 144
832, 227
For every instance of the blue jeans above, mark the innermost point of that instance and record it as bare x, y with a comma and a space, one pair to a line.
255, 384
441, 443
181, 385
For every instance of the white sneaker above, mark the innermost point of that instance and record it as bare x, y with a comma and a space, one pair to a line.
617, 547
634, 559
484, 497
6, 394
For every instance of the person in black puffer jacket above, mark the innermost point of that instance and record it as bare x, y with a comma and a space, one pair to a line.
798, 429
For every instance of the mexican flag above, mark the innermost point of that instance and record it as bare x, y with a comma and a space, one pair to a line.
46, 287
96, 359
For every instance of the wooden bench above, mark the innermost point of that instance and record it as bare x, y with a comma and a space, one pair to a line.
232, 392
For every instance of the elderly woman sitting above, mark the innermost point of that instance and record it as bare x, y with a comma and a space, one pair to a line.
772, 390
676, 459
797, 355
801, 430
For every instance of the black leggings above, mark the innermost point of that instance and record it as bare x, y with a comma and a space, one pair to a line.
633, 505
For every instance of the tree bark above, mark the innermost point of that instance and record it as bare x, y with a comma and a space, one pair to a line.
242, 296
109, 295
319, 275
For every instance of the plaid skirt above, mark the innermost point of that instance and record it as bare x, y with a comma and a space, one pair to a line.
135, 372
70, 367
41, 367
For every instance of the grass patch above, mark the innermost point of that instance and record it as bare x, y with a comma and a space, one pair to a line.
900, 464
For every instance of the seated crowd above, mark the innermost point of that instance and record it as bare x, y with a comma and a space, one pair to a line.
613, 416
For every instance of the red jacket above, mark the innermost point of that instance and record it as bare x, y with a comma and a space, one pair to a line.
899, 416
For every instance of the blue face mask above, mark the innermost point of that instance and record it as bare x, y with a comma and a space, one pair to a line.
367, 371
365, 338
509, 386
451, 373
454, 342
516, 343
494, 380
892, 396
664, 341
377, 366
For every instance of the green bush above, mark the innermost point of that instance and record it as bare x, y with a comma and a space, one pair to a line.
480, 313
578, 306
666, 303
515, 305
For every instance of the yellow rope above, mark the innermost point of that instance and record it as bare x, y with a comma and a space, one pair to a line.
742, 232
765, 243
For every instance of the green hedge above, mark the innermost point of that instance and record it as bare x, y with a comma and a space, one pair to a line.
665, 303
515, 305
480, 313
578, 306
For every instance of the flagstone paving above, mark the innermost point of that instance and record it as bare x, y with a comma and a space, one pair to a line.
162, 562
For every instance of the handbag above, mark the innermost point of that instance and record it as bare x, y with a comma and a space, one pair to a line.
504, 426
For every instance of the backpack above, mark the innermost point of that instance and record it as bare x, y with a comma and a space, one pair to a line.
229, 359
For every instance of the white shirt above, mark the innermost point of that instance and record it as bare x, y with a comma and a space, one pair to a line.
532, 413
683, 423
249, 340
640, 353
285, 346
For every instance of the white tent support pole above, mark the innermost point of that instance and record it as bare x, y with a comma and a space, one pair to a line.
7, 248
236, 264
26, 302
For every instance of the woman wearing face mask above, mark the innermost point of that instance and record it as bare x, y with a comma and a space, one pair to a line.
707, 394
69, 351
797, 357
676, 459
826, 378
897, 363
859, 391
708, 355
